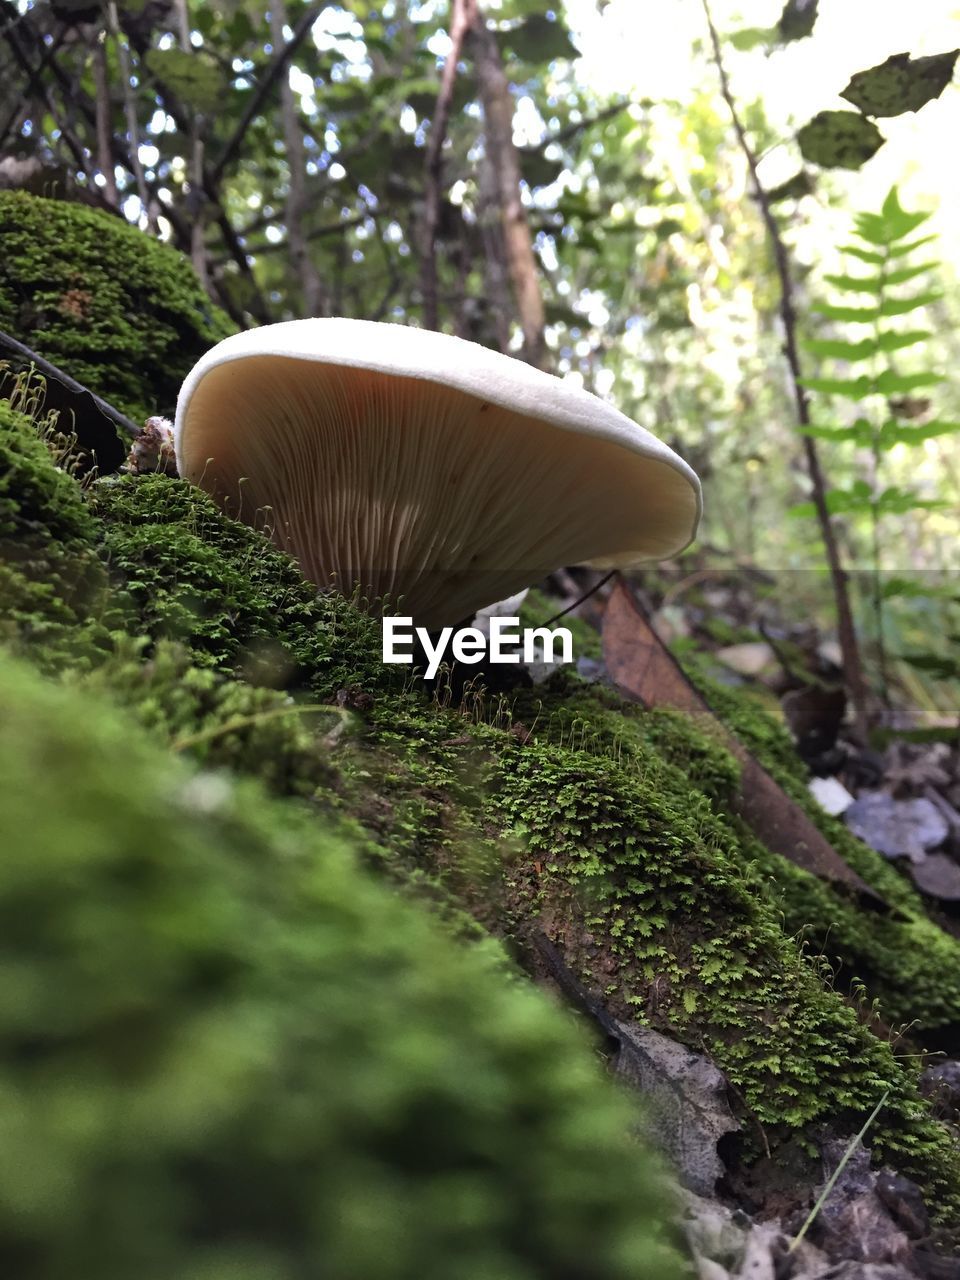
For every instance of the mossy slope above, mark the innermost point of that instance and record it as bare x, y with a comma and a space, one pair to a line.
117, 310
228, 1051
604, 825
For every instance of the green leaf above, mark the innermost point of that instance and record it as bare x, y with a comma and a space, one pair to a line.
891, 341
892, 223
846, 315
908, 589
748, 38
538, 39
852, 388
857, 284
897, 502
859, 433
801, 184
901, 250
801, 511
843, 501
865, 255
797, 20
902, 306
901, 83
837, 349
942, 668
839, 140
894, 433
194, 77
904, 274
889, 383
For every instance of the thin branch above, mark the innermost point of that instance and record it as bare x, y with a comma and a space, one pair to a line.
80, 157
849, 645
463, 16
259, 95
318, 233
17, 112
129, 428
578, 126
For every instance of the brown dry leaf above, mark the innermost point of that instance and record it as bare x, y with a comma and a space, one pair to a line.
644, 670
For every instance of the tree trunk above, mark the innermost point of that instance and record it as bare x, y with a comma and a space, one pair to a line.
505, 164
303, 271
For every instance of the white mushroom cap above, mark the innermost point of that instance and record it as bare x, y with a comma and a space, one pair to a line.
424, 468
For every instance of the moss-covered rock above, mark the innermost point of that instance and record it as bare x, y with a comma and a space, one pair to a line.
227, 1051
120, 312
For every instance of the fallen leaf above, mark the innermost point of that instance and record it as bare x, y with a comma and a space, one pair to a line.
687, 1112
644, 670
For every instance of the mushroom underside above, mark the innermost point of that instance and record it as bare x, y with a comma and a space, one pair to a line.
429, 500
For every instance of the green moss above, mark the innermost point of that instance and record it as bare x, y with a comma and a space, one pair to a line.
122, 313
224, 1046
51, 582
194, 575
909, 964
608, 825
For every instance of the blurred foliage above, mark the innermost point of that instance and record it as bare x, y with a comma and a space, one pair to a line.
657, 280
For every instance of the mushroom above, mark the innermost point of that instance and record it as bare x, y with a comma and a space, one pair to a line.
432, 473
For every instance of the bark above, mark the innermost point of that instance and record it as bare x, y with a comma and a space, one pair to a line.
505, 166
104, 129
846, 631
304, 273
495, 275
129, 107
463, 15
195, 198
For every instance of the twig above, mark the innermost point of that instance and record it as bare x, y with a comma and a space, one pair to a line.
578, 126
267, 81
849, 646
463, 16
579, 601
17, 111
49, 370
80, 157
